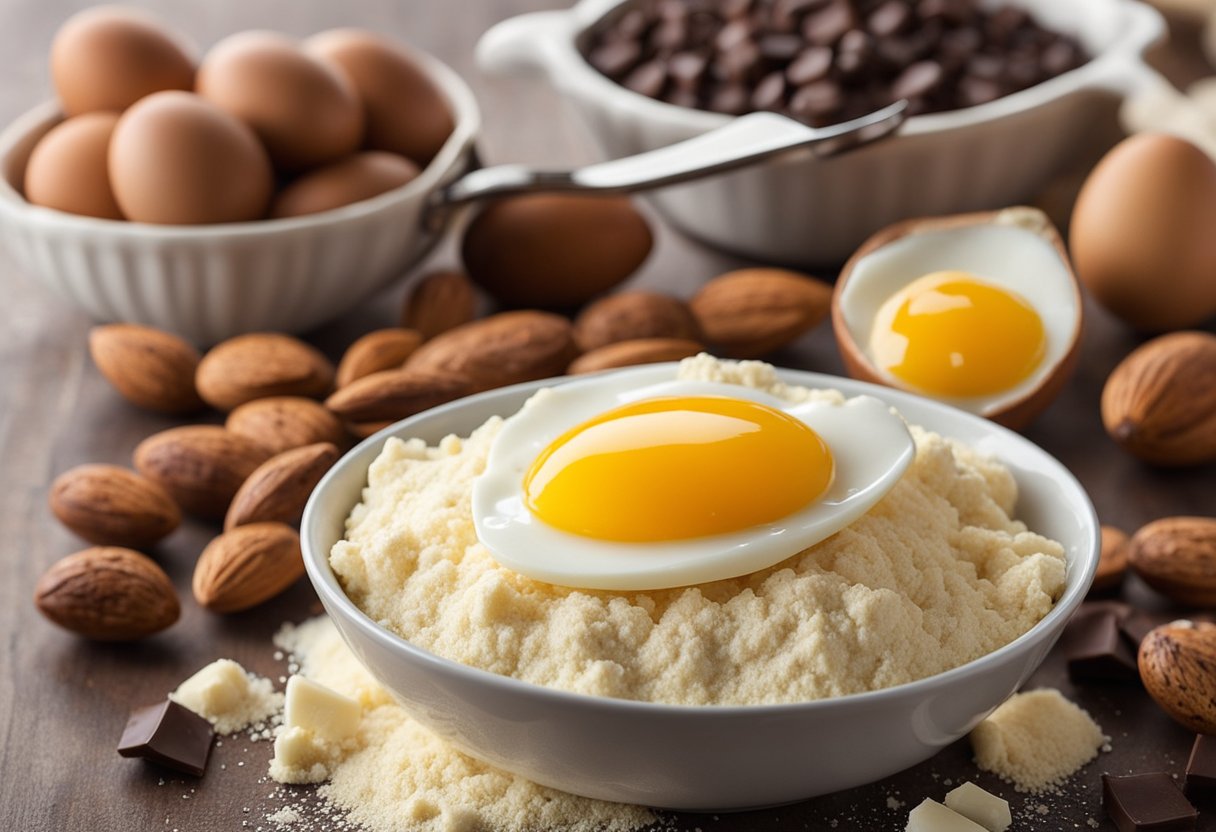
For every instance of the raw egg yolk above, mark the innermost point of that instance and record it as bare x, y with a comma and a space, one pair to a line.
951, 334
676, 468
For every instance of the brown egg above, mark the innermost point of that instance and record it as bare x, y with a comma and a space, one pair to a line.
109, 57
352, 179
178, 159
1142, 233
554, 251
406, 112
303, 110
67, 168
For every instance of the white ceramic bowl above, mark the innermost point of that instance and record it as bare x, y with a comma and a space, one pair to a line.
702, 758
804, 210
210, 282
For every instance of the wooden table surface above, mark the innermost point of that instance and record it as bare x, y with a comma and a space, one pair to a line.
63, 701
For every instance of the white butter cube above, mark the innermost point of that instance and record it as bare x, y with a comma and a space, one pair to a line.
931, 816
985, 808
217, 689
325, 713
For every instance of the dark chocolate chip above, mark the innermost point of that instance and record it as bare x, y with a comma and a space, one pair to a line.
169, 735
826, 26
648, 79
670, 35
770, 92
736, 63
1147, 802
917, 80
781, 48
889, 18
616, 58
1200, 784
686, 69
733, 34
810, 65
854, 52
811, 102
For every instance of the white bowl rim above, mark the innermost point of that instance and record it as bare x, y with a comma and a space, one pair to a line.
333, 597
455, 149
1118, 67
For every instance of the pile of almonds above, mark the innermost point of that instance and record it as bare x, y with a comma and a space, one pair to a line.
290, 413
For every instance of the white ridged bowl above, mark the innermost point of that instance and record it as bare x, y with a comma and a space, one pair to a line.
210, 282
804, 210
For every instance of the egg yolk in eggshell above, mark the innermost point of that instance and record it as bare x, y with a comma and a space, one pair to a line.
676, 468
952, 334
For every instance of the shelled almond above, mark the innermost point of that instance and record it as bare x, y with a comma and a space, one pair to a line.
111, 506
383, 349
1177, 557
246, 566
751, 312
281, 423
260, 365
628, 316
278, 489
440, 301
200, 466
148, 367
108, 593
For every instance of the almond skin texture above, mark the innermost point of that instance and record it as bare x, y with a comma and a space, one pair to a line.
108, 594
631, 315
751, 312
246, 566
394, 394
1159, 404
149, 368
384, 349
554, 251
281, 423
1176, 662
279, 488
631, 353
441, 301
111, 506
261, 365
1177, 557
502, 349
200, 466
1112, 560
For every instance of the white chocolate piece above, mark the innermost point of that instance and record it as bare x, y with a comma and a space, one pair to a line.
299, 757
328, 715
217, 689
983, 807
931, 816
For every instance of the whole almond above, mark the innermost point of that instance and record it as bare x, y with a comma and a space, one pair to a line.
200, 466
111, 506
148, 367
1159, 404
1112, 560
280, 486
441, 301
751, 312
502, 349
636, 351
1177, 557
109, 594
394, 394
632, 315
246, 566
384, 349
281, 423
1176, 662
260, 365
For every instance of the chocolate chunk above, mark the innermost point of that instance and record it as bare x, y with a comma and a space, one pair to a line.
814, 101
854, 52
811, 65
736, 63
732, 35
917, 80
686, 69
169, 735
616, 58
889, 18
1147, 802
1201, 771
1096, 649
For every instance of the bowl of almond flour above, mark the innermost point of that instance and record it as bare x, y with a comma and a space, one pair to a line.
854, 659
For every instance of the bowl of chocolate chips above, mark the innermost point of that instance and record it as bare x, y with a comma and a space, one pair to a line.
999, 96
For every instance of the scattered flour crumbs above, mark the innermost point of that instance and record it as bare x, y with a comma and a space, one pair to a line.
1036, 740
402, 777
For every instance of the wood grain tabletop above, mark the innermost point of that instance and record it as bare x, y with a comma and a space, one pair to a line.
63, 701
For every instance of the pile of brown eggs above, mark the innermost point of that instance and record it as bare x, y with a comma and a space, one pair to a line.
262, 127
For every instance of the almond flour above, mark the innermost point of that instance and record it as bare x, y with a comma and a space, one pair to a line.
936, 575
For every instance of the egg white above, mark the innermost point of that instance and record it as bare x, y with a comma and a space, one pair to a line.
1003, 254
870, 444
